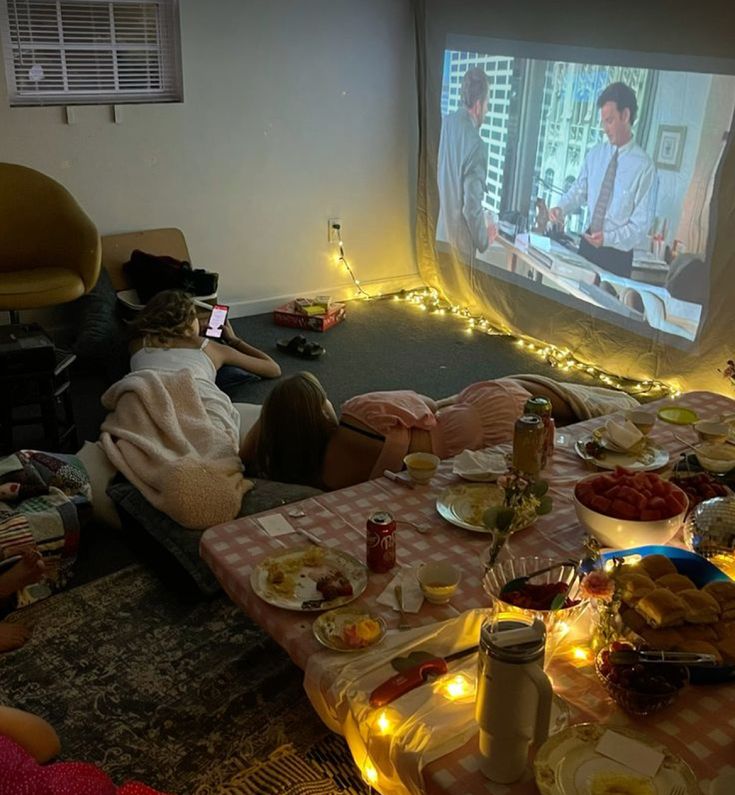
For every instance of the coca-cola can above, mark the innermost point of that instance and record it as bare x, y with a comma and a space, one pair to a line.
380, 540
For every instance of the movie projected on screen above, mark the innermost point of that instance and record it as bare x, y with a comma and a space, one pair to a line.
586, 176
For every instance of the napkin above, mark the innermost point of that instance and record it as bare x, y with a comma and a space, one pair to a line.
480, 463
631, 753
412, 596
275, 525
623, 434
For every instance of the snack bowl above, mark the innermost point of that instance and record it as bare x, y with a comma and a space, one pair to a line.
640, 689
712, 431
620, 533
438, 581
504, 571
421, 466
717, 458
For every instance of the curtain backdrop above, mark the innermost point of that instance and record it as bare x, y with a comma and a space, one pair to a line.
486, 286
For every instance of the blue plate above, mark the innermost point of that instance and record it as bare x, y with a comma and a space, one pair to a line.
700, 571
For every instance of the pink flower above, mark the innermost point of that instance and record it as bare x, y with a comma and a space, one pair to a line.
597, 585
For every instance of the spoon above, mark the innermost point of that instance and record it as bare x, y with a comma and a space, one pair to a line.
519, 582
684, 442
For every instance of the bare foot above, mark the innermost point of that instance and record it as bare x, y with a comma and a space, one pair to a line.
29, 569
13, 636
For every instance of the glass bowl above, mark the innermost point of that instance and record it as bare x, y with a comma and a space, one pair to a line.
554, 620
640, 702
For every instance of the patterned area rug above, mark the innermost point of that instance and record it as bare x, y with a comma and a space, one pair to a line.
190, 697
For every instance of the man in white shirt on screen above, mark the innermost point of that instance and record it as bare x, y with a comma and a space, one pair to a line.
616, 184
462, 171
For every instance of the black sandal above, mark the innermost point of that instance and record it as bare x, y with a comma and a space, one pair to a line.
298, 346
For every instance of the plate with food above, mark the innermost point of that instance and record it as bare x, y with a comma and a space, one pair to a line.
314, 578
645, 457
675, 600
349, 629
572, 762
465, 504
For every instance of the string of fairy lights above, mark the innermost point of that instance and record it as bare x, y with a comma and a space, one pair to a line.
428, 299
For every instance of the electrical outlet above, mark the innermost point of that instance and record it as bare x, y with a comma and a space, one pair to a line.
332, 233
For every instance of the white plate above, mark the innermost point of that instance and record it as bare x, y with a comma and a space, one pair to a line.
464, 505
480, 466
567, 763
329, 628
289, 579
651, 457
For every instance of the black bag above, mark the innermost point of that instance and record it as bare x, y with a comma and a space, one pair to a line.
149, 274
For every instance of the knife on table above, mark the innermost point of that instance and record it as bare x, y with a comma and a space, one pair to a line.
412, 678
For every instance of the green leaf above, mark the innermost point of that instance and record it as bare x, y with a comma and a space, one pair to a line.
410, 660
558, 601
539, 488
490, 517
545, 505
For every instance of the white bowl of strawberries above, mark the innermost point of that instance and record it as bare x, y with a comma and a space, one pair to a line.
624, 509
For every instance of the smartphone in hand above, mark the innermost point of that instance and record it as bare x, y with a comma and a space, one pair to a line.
216, 323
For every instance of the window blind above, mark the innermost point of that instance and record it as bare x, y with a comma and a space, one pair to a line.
68, 52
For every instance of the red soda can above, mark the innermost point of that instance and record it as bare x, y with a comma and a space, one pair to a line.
380, 539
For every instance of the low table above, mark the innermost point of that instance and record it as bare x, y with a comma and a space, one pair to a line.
700, 727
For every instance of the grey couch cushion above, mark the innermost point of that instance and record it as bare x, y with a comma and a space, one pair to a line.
182, 545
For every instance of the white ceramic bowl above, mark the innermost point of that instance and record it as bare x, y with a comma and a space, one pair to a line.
711, 431
421, 466
718, 458
643, 420
625, 533
438, 580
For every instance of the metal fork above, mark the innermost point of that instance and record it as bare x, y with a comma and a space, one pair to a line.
403, 621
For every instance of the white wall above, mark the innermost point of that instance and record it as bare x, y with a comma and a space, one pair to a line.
294, 111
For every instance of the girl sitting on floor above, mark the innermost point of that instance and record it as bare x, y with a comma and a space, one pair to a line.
299, 439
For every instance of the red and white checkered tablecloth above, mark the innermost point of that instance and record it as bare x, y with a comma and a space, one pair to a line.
701, 727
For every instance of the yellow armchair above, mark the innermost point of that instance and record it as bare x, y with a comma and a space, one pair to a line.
50, 250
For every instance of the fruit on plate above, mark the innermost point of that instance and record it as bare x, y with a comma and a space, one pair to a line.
699, 486
611, 783
532, 596
361, 633
646, 679
635, 496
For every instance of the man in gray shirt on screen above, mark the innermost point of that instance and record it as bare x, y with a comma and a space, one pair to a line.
462, 171
616, 184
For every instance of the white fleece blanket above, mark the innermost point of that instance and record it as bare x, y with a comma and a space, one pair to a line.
159, 436
585, 401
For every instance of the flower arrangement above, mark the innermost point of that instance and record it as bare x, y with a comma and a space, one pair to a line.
523, 500
602, 589
729, 371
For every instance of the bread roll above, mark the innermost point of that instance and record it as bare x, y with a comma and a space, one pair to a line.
662, 639
675, 582
708, 632
724, 592
633, 587
656, 566
661, 608
701, 608
726, 648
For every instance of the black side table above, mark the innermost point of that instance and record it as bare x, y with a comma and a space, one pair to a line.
33, 373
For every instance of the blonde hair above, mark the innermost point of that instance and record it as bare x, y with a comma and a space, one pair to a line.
294, 431
167, 316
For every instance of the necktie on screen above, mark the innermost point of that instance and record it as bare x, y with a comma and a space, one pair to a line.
606, 189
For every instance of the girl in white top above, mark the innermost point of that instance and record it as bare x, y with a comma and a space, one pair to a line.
167, 337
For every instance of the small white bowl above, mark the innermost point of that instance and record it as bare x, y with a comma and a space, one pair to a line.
711, 431
626, 533
643, 420
717, 458
421, 466
439, 581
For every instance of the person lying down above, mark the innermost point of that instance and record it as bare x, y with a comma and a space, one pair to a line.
299, 438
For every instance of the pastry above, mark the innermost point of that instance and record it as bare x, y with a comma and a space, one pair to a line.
662, 639
633, 587
725, 629
661, 608
700, 647
633, 619
708, 632
701, 608
675, 582
726, 648
724, 592
656, 566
